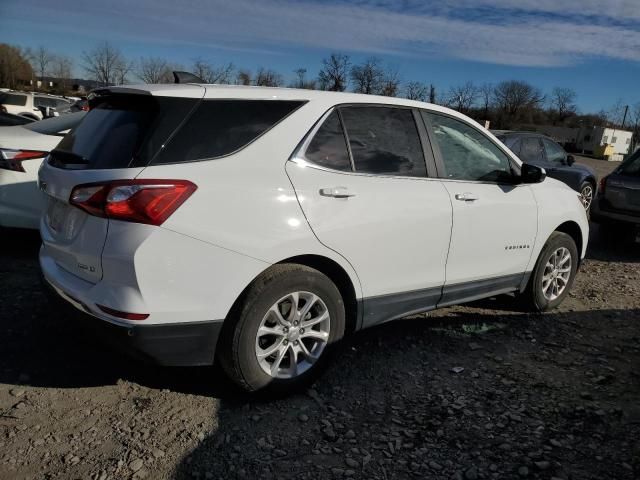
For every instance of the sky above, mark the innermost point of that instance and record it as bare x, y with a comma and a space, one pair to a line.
591, 46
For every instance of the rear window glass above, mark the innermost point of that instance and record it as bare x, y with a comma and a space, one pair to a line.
122, 131
632, 165
13, 99
329, 147
221, 127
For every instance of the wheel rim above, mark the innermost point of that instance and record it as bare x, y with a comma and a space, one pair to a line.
586, 196
557, 272
292, 335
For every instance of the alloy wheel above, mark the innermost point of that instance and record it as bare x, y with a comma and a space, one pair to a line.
556, 274
292, 335
586, 196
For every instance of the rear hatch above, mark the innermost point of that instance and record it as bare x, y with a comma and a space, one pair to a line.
119, 136
622, 190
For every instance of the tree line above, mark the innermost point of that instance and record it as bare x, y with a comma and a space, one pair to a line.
506, 104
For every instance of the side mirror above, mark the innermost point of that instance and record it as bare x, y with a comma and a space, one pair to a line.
532, 174
570, 160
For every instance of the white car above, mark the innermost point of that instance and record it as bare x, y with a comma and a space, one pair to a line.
256, 227
22, 149
33, 105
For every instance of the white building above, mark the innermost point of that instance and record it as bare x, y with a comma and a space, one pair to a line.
595, 139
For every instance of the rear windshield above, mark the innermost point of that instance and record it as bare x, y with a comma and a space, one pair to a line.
122, 131
13, 99
632, 165
129, 130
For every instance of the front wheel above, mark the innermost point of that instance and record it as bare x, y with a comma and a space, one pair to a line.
587, 191
280, 334
554, 273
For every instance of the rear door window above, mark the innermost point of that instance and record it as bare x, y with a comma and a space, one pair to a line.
221, 127
384, 140
328, 148
555, 153
13, 99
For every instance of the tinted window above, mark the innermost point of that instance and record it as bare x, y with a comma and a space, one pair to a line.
221, 127
531, 150
631, 166
384, 140
122, 131
44, 102
555, 153
13, 99
468, 154
329, 147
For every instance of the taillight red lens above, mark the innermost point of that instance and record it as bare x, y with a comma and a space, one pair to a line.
140, 201
125, 315
603, 185
12, 159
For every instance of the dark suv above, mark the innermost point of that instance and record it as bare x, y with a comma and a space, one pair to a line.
542, 151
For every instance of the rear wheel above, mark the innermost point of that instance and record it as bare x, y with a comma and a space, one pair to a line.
280, 334
554, 273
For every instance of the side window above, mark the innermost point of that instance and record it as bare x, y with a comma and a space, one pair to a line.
384, 140
467, 153
221, 127
531, 150
329, 147
555, 153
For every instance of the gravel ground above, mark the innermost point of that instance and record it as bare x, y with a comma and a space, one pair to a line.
479, 391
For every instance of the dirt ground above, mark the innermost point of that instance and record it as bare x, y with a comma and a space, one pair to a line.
480, 391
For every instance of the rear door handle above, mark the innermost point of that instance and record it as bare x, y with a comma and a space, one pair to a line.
466, 197
336, 192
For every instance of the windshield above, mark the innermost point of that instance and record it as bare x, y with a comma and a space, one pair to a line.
52, 126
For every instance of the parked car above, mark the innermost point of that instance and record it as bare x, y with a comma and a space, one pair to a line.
9, 120
540, 150
258, 226
618, 199
32, 105
81, 104
22, 149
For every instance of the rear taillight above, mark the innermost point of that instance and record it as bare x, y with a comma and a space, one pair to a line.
603, 185
12, 159
140, 201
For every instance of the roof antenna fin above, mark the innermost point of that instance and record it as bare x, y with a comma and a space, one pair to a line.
186, 77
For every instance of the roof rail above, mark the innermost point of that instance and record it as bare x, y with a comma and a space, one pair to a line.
186, 77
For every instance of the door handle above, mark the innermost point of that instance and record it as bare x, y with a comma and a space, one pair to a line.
336, 192
466, 197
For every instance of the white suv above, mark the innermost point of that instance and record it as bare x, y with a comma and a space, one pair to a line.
30, 105
256, 227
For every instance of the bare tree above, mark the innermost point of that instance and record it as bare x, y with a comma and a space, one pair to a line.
244, 77
513, 96
367, 77
485, 92
106, 64
61, 69
153, 70
563, 102
462, 97
390, 85
334, 72
417, 91
301, 80
212, 74
121, 70
268, 78
42, 58
615, 114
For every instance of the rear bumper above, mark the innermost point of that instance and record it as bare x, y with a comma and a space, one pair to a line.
169, 344
601, 215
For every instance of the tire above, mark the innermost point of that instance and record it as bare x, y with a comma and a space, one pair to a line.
588, 192
535, 294
240, 344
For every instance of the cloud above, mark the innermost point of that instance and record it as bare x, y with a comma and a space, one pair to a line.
510, 32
